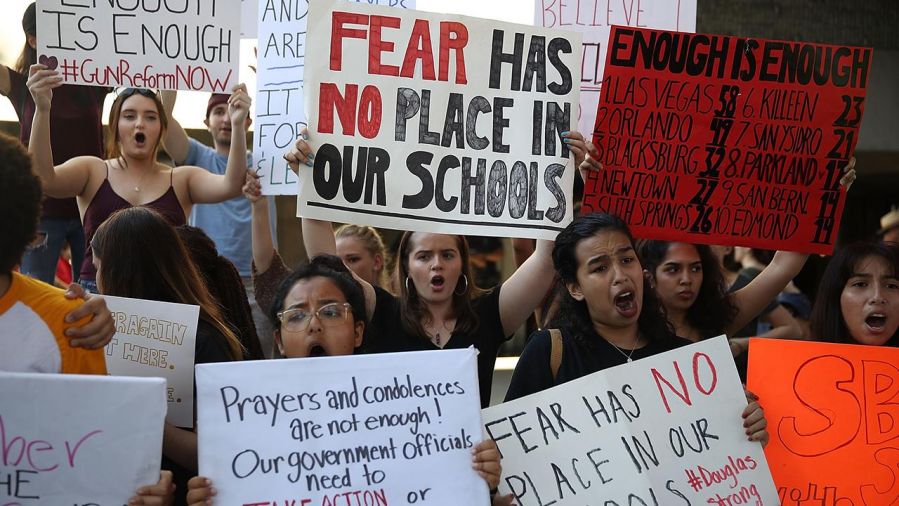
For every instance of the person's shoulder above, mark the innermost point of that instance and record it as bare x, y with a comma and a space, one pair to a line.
45, 300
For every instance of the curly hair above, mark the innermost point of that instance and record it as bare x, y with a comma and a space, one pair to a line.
713, 309
225, 286
20, 202
573, 314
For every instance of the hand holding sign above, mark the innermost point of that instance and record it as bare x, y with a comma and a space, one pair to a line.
239, 106
41, 82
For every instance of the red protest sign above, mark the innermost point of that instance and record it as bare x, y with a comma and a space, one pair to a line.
725, 140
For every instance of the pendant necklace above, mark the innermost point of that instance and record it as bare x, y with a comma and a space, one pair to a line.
627, 355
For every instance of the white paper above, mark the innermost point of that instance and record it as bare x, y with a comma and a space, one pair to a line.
664, 430
73, 439
161, 45
289, 415
594, 20
398, 153
156, 339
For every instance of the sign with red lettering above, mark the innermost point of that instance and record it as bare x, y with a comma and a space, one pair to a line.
594, 20
78, 439
833, 419
665, 429
186, 45
725, 140
156, 339
438, 122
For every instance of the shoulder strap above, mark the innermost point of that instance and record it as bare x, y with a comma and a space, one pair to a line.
555, 356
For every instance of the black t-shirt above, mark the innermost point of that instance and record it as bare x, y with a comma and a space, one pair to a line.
210, 348
533, 372
385, 334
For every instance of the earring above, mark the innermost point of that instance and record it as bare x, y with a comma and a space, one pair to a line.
464, 278
408, 289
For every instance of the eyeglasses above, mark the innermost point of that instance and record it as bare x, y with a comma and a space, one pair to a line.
298, 320
127, 92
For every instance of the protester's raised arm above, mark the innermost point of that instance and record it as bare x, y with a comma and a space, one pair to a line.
175, 141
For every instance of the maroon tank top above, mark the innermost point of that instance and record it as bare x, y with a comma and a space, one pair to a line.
106, 201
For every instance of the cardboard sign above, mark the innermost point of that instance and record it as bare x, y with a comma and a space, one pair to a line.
279, 94
666, 429
833, 419
438, 122
594, 21
156, 339
83, 440
186, 45
725, 140
378, 429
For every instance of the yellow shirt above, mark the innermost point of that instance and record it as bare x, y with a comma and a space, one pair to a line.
32, 331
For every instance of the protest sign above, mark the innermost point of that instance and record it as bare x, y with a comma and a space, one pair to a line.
666, 429
725, 140
379, 429
279, 94
438, 122
833, 419
156, 339
248, 18
82, 440
594, 20
187, 45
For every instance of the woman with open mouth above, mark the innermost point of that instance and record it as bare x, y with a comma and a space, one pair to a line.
131, 175
438, 304
858, 299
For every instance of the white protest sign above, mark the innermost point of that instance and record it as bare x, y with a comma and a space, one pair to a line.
594, 19
666, 429
248, 18
78, 439
377, 429
186, 45
438, 122
279, 115
156, 339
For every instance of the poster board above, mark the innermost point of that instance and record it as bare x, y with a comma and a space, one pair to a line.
666, 429
156, 339
381, 429
724, 140
159, 45
437, 122
594, 20
833, 419
78, 439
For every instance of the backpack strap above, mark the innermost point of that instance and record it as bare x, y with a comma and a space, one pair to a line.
555, 356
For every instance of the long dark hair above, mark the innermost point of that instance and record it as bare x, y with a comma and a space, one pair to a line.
573, 314
713, 309
28, 56
827, 323
224, 284
414, 314
142, 257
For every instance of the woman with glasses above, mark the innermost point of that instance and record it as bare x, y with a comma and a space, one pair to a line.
131, 175
138, 254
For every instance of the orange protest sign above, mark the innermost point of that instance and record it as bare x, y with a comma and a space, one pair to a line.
833, 416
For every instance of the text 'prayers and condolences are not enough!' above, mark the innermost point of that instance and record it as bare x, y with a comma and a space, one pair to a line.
441, 123
725, 140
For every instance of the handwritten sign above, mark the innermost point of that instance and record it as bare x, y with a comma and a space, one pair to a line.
279, 95
666, 429
438, 122
248, 18
833, 419
724, 140
156, 339
594, 21
187, 45
378, 429
71, 439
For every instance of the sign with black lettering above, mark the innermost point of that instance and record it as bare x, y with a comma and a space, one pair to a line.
381, 429
726, 140
438, 122
665, 429
156, 339
279, 88
833, 419
78, 439
184, 45
594, 20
